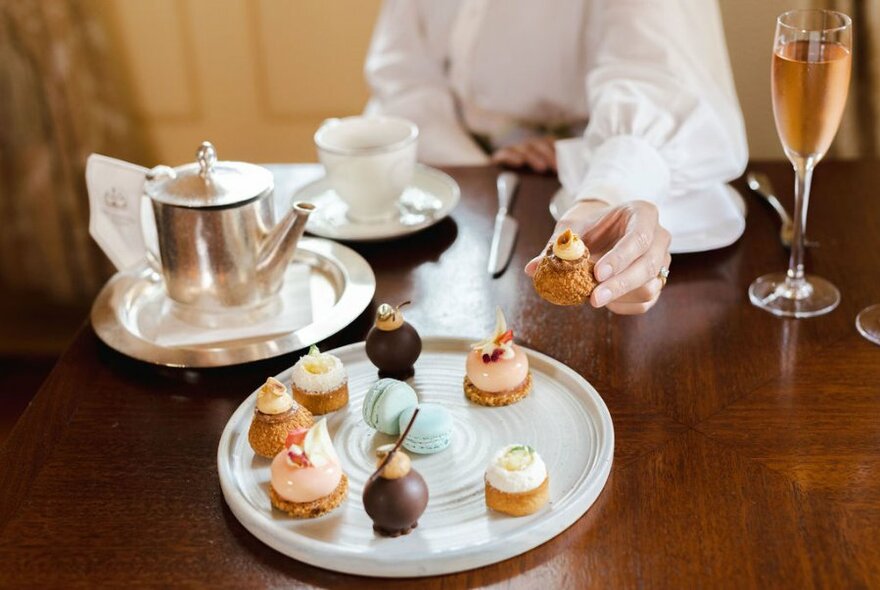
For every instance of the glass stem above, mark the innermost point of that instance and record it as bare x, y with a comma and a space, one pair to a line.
803, 169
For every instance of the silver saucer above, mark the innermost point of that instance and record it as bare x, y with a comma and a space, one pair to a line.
341, 285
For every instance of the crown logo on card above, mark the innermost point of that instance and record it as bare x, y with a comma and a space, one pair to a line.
114, 198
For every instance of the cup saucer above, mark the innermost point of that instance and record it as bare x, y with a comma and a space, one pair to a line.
429, 198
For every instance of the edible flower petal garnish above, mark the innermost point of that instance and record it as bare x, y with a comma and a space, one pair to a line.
500, 344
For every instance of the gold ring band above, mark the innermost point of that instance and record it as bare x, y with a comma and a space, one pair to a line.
663, 275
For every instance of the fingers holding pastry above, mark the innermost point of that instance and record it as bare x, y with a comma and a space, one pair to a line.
641, 225
625, 279
638, 275
579, 219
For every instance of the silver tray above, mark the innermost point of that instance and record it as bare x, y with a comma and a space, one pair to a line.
341, 284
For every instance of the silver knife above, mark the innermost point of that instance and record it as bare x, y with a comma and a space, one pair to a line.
505, 226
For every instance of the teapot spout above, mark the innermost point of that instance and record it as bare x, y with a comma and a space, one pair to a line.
279, 246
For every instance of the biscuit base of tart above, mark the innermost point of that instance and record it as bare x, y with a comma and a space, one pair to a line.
518, 504
321, 402
314, 508
268, 432
497, 398
564, 282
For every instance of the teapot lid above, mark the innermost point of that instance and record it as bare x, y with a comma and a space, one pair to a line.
208, 182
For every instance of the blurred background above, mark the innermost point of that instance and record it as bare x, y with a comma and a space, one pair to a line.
147, 81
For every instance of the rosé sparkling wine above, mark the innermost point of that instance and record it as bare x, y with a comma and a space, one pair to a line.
809, 79
809, 84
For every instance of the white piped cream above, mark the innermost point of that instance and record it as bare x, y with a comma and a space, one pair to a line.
516, 469
568, 246
273, 397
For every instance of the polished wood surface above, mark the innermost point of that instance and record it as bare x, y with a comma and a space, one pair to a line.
747, 447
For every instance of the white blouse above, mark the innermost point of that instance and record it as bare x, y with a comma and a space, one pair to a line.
644, 88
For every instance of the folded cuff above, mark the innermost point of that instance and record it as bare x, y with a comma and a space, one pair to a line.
625, 168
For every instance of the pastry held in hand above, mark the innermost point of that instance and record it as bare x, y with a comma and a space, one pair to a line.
565, 274
275, 415
307, 479
395, 496
393, 345
320, 382
497, 370
516, 481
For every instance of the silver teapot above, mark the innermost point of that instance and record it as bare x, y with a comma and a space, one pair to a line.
219, 245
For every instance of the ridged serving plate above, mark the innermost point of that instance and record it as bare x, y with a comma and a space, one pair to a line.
564, 419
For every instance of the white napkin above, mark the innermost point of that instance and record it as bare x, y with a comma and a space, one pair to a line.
116, 199
295, 312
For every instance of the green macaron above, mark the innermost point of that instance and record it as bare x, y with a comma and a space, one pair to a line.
385, 401
432, 430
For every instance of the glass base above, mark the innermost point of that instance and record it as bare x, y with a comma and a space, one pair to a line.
868, 323
782, 297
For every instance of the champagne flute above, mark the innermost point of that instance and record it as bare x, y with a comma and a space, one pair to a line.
812, 57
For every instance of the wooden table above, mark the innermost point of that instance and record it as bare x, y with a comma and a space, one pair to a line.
747, 447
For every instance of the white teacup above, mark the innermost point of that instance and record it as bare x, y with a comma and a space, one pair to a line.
369, 161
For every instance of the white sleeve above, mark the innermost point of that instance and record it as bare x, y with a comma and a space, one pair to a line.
406, 81
664, 119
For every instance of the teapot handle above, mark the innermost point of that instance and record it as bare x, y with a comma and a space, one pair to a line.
148, 220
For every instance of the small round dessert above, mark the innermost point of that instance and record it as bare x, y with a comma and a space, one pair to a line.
565, 274
275, 415
392, 344
395, 496
385, 401
307, 480
320, 382
497, 370
516, 481
431, 433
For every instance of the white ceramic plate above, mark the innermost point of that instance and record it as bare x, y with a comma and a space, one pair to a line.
723, 204
563, 418
429, 199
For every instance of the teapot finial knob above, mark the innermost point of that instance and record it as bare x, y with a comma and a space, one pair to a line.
206, 156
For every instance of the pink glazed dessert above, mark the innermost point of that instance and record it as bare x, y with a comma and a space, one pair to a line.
497, 370
307, 479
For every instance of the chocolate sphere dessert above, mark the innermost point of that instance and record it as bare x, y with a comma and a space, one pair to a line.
395, 496
393, 345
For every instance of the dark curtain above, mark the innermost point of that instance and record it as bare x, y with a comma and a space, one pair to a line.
62, 96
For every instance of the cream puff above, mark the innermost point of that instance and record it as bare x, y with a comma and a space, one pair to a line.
320, 382
565, 273
517, 482
307, 479
497, 370
275, 415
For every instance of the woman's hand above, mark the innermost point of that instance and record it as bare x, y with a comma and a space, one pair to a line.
629, 247
537, 153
